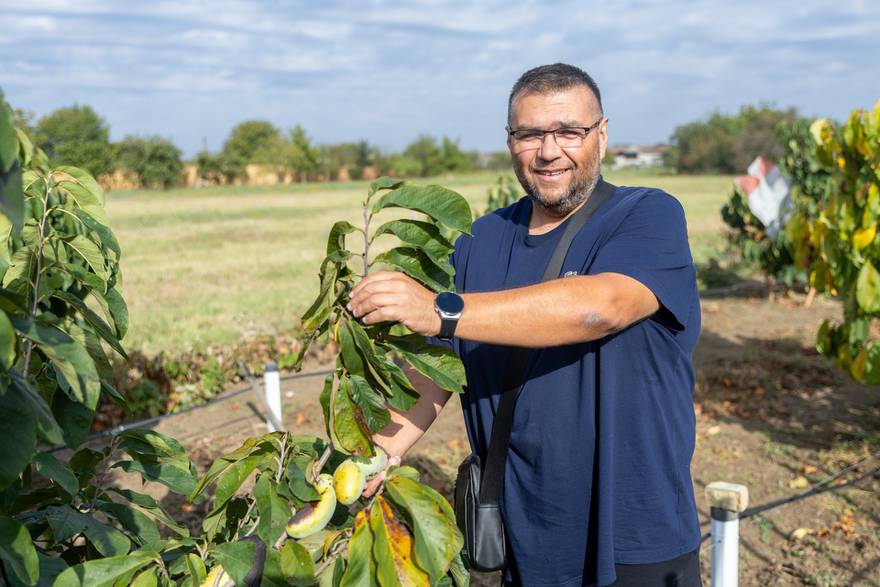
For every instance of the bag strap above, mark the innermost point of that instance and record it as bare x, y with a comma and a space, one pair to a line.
492, 477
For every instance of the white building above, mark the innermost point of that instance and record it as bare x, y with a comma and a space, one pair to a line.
638, 156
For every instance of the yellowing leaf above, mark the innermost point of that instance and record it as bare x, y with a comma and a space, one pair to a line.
857, 369
818, 130
868, 289
864, 237
393, 549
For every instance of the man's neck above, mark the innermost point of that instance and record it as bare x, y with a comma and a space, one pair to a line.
542, 221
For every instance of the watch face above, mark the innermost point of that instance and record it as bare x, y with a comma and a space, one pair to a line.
450, 303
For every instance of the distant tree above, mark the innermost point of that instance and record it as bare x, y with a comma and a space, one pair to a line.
302, 157
155, 161
24, 119
252, 141
728, 143
214, 168
453, 159
76, 136
422, 157
354, 157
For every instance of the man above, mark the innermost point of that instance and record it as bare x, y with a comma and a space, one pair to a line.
597, 485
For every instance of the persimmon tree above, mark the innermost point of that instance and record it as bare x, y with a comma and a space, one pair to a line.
838, 245
64, 522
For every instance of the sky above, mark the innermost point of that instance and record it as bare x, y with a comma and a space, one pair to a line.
387, 71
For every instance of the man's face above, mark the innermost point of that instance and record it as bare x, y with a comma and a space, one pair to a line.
559, 179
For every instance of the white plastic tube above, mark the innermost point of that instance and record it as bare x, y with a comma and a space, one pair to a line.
272, 390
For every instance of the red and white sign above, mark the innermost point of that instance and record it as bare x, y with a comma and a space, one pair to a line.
769, 194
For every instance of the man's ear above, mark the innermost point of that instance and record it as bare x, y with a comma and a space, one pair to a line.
603, 138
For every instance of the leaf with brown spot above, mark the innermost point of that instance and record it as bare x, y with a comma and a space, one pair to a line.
393, 549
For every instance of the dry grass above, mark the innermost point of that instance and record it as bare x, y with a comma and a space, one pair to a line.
213, 265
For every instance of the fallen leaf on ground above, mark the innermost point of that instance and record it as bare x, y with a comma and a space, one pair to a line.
801, 533
799, 482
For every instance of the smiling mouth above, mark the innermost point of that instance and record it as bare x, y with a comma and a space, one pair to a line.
550, 172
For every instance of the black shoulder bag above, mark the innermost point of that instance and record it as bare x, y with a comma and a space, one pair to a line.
478, 489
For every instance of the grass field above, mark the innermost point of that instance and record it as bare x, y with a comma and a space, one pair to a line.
210, 266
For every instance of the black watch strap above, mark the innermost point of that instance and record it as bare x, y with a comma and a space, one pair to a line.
447, 328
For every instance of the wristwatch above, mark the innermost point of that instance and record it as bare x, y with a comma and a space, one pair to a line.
449, 306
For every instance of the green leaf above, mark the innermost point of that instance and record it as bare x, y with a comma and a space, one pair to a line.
68, 357
420, 234
84, 190
234, 476
49, 467
317, 314
361, 570
106, 539
104, 572
65, 522
348, 423
403, 395
393, 549
336, 240
18, 552
236, 558
441, 204
170, 474
12, 195
7, 342
437, 538
274, 510
416, 263
50, 568
297, 566
868, 288
18, 431
264, 444
114, 308
102, 329
157, 458
147, 578
195, 568
439, 364
108, 239
141, 527
91, 254
151, 508
383, 183
8, 137
74, 419
371, 404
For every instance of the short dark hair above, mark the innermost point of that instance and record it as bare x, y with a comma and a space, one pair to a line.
549, 78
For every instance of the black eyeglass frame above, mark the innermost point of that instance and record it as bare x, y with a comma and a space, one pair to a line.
553, 131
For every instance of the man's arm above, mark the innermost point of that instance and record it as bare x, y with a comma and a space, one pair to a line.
552, 313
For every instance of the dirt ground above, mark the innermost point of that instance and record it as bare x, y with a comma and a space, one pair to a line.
771, 414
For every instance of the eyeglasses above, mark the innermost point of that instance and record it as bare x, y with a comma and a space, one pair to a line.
567, 137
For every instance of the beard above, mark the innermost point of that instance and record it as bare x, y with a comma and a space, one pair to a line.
581, 187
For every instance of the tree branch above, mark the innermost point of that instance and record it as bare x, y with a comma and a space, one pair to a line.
30, 345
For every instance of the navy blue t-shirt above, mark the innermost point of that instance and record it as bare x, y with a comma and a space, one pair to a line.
598, 469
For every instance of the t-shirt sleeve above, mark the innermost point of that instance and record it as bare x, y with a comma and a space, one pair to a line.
651, 246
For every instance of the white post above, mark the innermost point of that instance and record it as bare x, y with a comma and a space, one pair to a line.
272, 390
726, 501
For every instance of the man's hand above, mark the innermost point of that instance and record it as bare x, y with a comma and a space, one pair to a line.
373, 484
386, 296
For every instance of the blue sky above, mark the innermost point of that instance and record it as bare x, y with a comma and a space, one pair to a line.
387, 71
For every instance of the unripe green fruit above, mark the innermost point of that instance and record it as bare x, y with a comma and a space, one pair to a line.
351, 476
314, 516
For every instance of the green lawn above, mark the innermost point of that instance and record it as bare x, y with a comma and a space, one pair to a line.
210, 266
